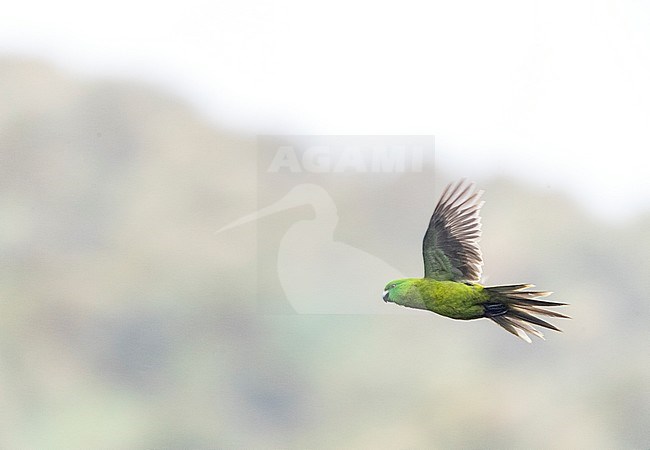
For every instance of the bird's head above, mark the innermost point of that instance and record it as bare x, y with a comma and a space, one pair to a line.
405, 292
394, 290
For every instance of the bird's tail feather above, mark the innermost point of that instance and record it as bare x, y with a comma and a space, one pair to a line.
512, 307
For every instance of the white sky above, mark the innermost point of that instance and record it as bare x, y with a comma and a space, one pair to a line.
557, 93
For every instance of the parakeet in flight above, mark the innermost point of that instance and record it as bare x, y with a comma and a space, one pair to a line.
452, 271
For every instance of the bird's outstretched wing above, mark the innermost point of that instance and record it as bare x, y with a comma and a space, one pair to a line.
450, 246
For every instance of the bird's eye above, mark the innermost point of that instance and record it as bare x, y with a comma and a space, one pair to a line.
392, 286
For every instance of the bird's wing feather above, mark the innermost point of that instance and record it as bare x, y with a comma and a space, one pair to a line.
450, 247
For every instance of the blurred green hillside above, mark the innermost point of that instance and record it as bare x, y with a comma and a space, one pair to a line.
126, 322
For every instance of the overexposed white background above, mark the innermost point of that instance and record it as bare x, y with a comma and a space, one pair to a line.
554, 93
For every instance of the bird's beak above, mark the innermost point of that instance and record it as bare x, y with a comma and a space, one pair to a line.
385, 297
287, 202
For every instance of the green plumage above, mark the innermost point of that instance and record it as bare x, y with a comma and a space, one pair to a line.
447, 298
452, 268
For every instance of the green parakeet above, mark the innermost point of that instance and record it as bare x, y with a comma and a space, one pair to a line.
452, 271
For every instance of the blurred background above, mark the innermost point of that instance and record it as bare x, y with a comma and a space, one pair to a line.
128, 136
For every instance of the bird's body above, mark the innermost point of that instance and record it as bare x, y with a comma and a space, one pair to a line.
452, 270
447, 298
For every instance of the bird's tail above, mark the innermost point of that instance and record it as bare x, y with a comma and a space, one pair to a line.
512, 307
